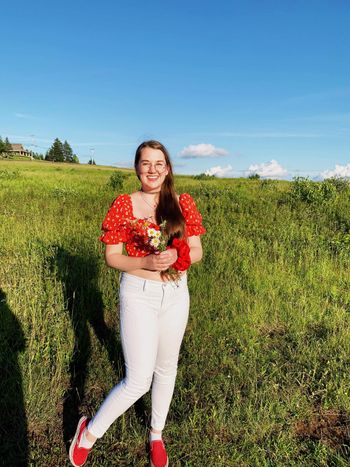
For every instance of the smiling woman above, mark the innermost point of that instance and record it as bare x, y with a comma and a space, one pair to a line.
153, 306
152, 168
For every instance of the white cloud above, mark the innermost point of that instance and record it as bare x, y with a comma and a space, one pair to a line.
339, 171
21, 115
202, 150
270, 169
220, 172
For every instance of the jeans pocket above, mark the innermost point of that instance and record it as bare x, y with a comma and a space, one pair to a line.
130, 287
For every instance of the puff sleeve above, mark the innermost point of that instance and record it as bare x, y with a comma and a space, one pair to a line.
191, 214
116, 223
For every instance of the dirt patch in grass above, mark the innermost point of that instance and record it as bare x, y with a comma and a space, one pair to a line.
331, 427
273, 330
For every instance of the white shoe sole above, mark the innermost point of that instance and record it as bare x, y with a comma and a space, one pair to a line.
75, 440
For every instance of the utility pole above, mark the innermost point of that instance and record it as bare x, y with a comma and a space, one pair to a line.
92, 153
33, 146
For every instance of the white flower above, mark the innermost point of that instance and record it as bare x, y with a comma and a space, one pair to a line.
152, 232
157, 234
154, 242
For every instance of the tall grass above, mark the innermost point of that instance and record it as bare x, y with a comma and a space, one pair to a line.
263, 373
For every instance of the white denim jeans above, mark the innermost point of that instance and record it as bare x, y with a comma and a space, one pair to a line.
153, 318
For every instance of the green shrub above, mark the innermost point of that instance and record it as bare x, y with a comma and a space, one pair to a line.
341, 184
305, 190
116, 180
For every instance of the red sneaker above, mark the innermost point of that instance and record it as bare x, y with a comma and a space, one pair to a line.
78, 455
158, 454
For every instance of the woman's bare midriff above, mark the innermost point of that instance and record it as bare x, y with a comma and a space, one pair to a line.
152, 275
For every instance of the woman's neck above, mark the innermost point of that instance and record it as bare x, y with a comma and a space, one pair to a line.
154, 194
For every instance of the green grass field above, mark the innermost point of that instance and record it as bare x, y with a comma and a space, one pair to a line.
263, 375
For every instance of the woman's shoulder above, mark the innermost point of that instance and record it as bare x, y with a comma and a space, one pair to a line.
186, 200
123, 197
193, 217
121, 205
121, 200
184, 196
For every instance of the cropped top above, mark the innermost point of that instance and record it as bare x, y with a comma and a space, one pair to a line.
116, 224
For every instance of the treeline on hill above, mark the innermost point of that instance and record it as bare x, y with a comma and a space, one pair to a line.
58, 152
6, 150
5, 145
61, 152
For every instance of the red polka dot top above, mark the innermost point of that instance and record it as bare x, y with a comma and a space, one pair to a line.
116, 224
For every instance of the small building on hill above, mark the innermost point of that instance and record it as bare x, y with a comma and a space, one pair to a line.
18, 150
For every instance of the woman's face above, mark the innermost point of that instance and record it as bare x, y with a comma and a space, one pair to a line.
152, 169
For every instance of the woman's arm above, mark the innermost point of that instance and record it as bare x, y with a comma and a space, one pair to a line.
196, 251
115, 259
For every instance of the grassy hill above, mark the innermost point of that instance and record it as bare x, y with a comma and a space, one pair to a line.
263, 376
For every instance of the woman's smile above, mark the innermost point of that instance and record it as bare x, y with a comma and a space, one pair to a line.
152, 169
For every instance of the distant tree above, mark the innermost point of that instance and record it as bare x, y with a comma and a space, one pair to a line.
203, 176
61, 152
55, 153
254, 177
92, 162
7, 145
67, 152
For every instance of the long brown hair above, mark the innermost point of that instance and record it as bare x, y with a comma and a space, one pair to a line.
168, 206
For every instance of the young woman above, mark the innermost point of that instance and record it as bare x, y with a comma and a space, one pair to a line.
153, 306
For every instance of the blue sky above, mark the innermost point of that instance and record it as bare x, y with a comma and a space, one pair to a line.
230, 87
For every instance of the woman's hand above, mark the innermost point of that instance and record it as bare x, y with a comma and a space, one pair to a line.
161, 261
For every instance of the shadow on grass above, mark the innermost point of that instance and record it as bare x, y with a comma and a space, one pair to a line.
79, 276
13, 426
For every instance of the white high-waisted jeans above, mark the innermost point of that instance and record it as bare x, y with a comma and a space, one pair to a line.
153, 318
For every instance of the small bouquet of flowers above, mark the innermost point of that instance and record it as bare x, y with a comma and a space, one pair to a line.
148, 236
155, 239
